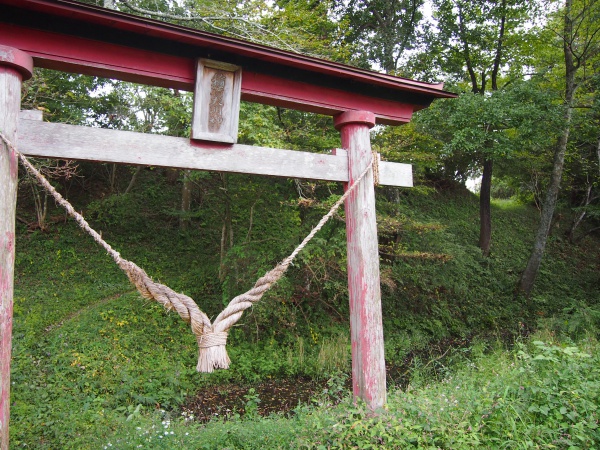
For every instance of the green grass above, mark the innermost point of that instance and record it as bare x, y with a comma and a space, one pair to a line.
542, 394
89, 353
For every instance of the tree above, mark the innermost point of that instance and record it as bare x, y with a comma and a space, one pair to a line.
580, 39
475, 43
384, 29
581, 177
294, 25
502, 125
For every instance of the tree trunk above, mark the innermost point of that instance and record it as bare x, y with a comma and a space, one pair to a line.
41, 206
132, 181
533, 265
485, 210
598, 152
227, 228
579, 218
499, 47
467, 52
485, 193
113, 178
172, 175
186, 200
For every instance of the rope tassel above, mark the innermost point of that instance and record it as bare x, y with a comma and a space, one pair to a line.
211, 337
212, 352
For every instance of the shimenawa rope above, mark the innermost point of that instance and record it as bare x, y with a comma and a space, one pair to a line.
211, 338
375, 164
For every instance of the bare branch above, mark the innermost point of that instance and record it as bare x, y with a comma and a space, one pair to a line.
210, 21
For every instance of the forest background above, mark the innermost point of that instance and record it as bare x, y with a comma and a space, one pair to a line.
466, 278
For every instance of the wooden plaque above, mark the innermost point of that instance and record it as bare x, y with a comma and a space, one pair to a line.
216, 101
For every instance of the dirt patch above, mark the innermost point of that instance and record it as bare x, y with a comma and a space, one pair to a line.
284, 395
276, 396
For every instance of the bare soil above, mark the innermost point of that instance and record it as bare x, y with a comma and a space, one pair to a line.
276, 396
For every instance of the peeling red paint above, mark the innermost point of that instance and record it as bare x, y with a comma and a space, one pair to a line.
14, 164
17, 60
6, 327
368, 364
14, 66
5, 350
9, 242
3, 281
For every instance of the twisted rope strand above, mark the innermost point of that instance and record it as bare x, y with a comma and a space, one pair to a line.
375, 163
211, 338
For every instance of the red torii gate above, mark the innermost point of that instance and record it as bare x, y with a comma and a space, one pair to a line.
69, 36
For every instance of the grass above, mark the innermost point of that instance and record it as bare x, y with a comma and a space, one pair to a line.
542, 394
94, 364
87, 349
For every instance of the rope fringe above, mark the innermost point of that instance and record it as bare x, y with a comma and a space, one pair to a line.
211, 337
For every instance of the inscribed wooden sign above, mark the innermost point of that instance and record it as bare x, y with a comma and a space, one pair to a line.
216, 101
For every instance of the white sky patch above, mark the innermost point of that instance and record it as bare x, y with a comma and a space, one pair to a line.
474, 185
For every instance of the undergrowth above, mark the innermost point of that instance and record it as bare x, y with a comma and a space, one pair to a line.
542, 394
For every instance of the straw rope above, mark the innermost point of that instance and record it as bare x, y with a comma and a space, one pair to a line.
211, 338
375, 163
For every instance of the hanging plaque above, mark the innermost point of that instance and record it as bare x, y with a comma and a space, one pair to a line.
216, 101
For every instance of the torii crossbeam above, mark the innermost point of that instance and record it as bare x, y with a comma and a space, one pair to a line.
69, 36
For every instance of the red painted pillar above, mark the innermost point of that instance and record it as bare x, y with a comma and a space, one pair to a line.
366, 328
14, 67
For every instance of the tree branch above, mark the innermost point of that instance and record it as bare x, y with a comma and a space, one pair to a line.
499, 46
467, 54
210, 21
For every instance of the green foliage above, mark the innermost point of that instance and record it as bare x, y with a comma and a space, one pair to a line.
542, 395
87, 348
94, 366
64, 97
555, 398
382, 31
409, 144
251, 406
516, 123
576, 320
476, 43
309, 27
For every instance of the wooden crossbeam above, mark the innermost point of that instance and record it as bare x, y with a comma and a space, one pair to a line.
53, 140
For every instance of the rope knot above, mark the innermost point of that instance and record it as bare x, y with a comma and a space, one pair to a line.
212, 353
212, 339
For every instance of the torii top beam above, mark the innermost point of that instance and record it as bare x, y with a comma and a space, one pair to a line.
131, 48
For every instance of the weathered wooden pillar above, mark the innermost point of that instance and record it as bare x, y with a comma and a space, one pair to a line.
15, 66
366, 328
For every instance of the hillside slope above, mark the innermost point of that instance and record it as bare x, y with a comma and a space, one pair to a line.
87, 347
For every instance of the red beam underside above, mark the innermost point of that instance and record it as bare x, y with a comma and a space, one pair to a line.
79, 55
